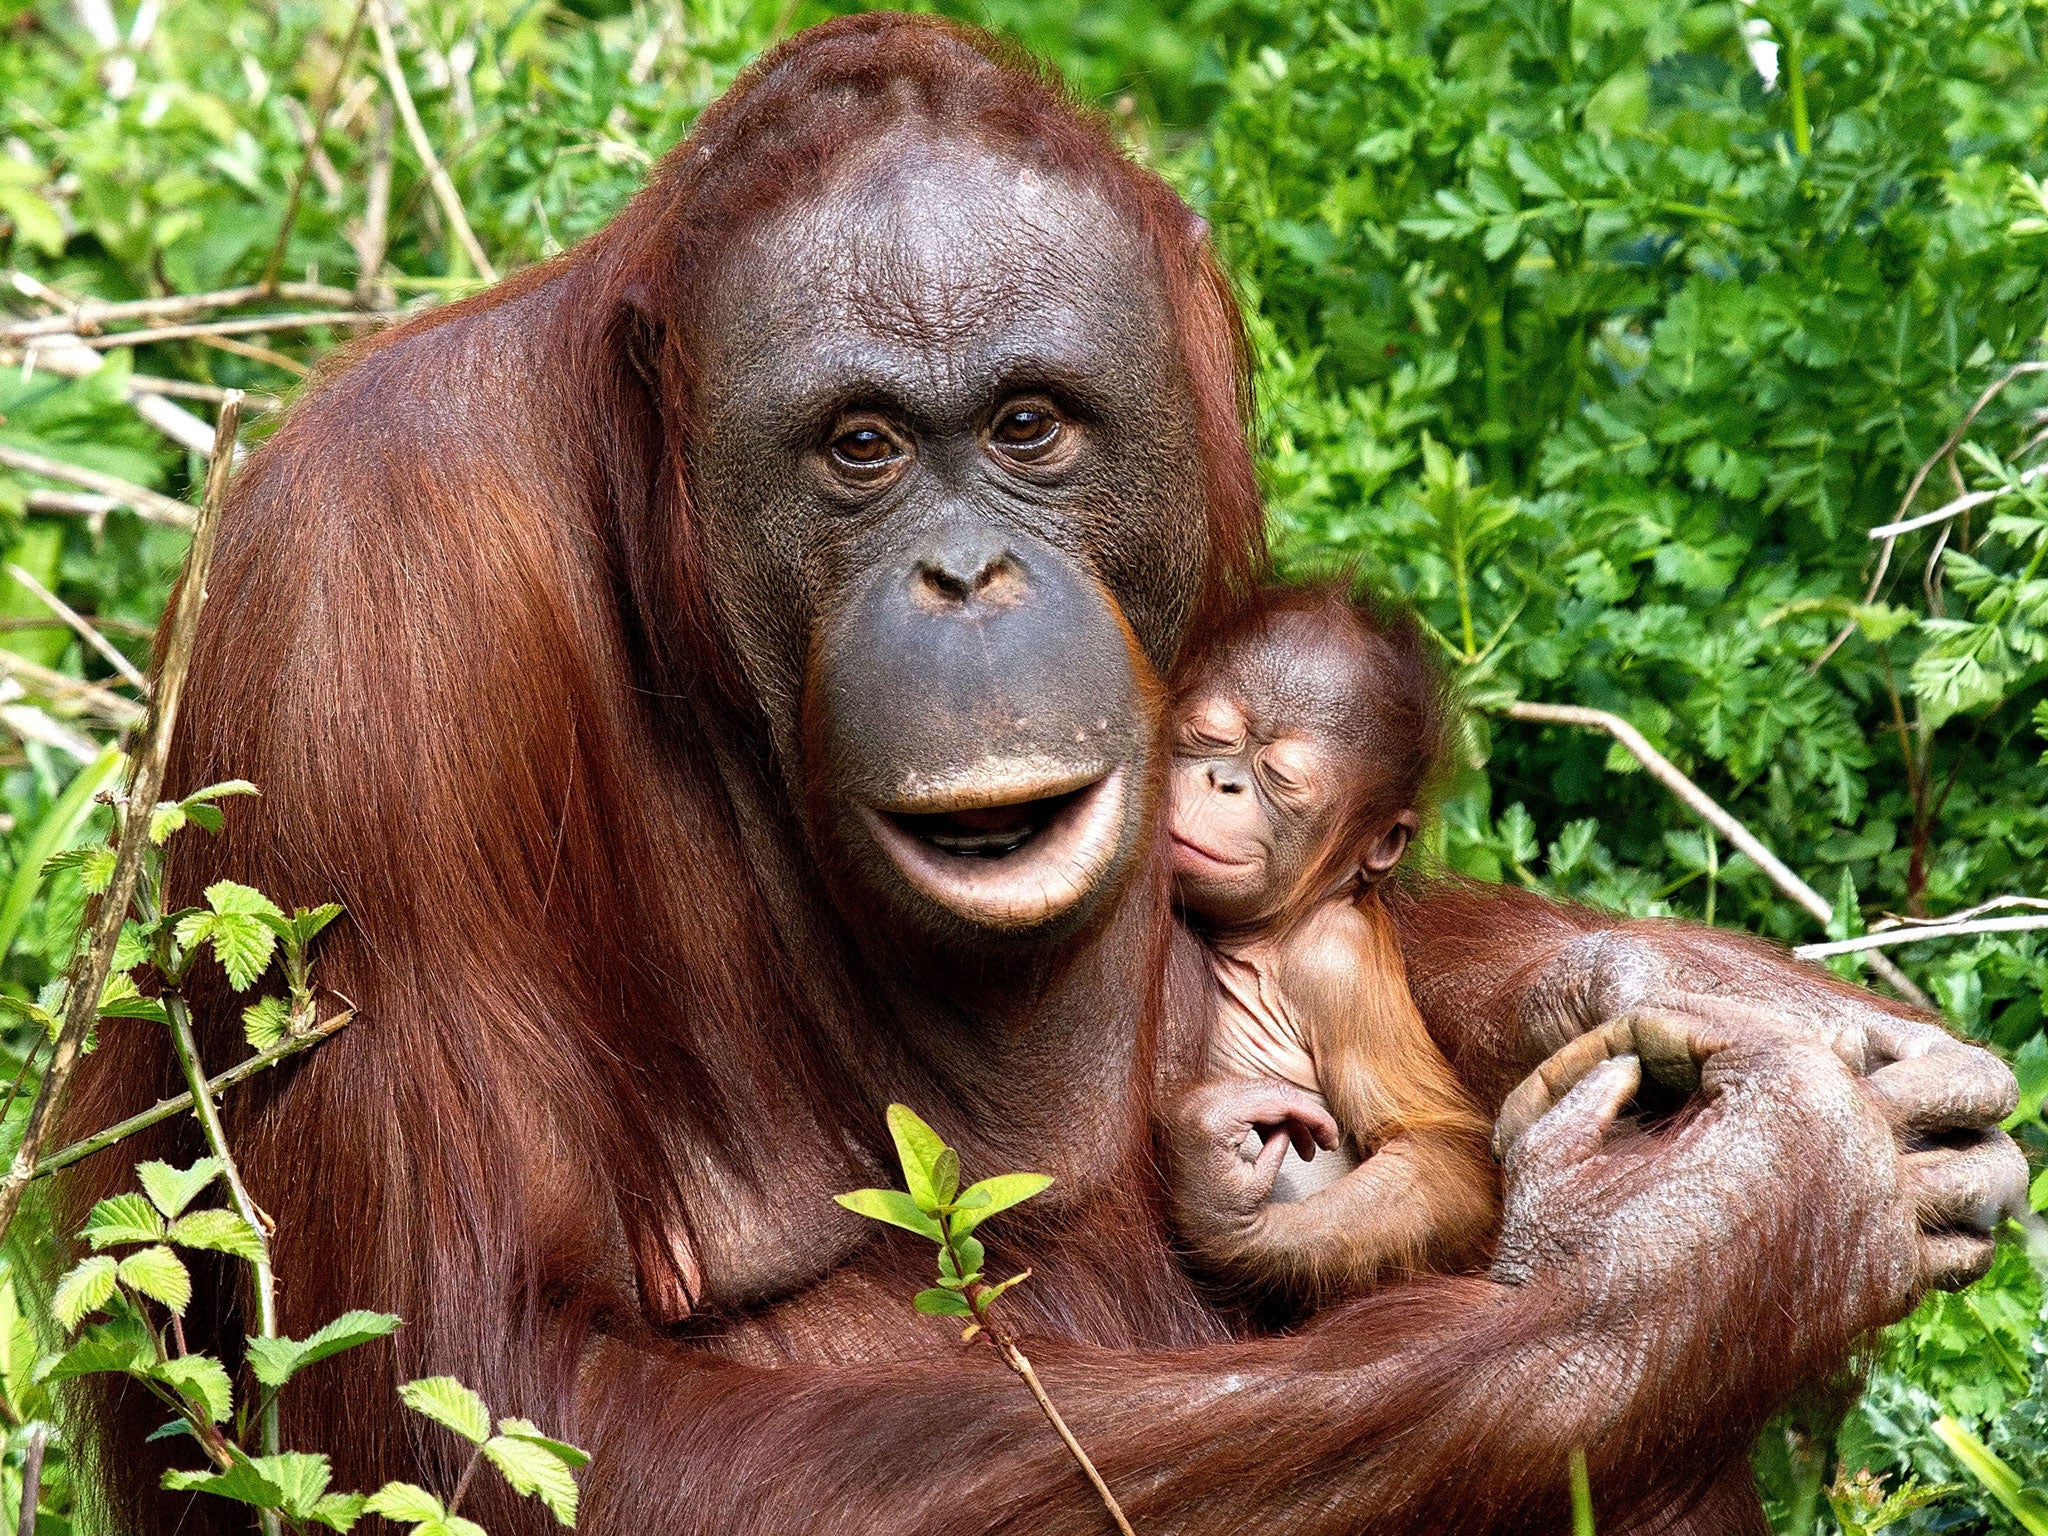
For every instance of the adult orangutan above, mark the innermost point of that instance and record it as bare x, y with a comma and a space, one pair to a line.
717, 670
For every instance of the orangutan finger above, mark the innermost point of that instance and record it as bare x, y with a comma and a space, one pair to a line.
1575, 1129
1541, 1091
1948, 1261
1670, 1047
1945, 1090
1973, 1187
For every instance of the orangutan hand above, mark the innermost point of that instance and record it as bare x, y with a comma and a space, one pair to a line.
1217, 1181
1647, 989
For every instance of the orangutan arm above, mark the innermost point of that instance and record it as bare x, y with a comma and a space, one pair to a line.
1506, 979
1620, 1316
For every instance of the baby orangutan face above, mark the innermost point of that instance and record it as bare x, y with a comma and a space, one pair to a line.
1271, 759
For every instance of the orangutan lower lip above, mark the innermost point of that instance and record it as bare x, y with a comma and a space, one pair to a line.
1008, 863
1183, 846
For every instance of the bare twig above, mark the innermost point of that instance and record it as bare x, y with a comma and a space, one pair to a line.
32, 1479
1703, 805
1919, 933
32, 724
82, 629
368, 237
145, 784
245, 326
1014, 1358
165, 1109
185, 389
316, 125
84, 317
258, 354
51, 683
437, 173
71, 503
149, 505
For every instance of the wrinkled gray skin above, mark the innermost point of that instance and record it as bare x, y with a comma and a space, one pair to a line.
856, 360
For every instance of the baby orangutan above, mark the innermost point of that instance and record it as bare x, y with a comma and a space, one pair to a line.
1305, 737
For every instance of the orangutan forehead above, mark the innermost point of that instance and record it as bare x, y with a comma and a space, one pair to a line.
1294, 678
920, 254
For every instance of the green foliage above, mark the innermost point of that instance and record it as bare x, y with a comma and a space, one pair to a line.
530, 1462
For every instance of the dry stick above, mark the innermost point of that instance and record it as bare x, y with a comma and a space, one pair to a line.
290, 365
1703, 805
165, 1109
32, 1479
1013, 1357
149, 505
370, 237
437, 173
1919, 933
38, 678
185, 389
247, 325
318, 127
84, 630
85, 316
145, 784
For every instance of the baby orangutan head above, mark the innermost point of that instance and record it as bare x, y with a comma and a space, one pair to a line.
1305, 735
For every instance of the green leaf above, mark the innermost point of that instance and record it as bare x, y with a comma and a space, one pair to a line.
202, 1380
990, 1296
121, 999
219, 791
308, 921
338, 1511
94, 865
449, 1403
894, 1207
946, 1176
84, 1289
302, 1476
122, 1219
2025, 1506
241, 1482
1002, 1191
938, 1302
453, 1525
918, 1148
170, 1189
405, 1502
220, 1230
168, 817
265, 1021
158, 1274
535, 1470
238, 929
562, 1450
275, 1361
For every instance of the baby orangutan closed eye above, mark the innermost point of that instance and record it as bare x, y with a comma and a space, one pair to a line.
1305, 738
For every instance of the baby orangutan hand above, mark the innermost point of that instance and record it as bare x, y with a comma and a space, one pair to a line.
1217, 1184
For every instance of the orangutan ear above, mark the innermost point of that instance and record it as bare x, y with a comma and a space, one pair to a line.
1386, 850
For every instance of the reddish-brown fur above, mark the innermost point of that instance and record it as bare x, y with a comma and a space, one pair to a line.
457, 634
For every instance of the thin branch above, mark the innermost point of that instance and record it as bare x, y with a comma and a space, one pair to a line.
245, 326
165, 1109
32, 1479
149, 505
86, 316
1703, 805
1013, 1357
437, 173
258, 354
369, 237
50, 683
316, 125
71, 503
1995, 904
84, 631
145, 785
1919, 933
105, 623
185, 389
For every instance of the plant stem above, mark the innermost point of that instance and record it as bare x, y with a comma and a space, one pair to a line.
1014, 1358
321, 109
1582, 1494
1795, 89
203, 1110
32, 1479
164, 1109
89, 972
462, 1482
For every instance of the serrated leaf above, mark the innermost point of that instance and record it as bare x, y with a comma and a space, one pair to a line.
122, 1344
339, 1511
892, 1206
203, 1380
170, 1189
243, 946
207, 818
301, 1476
85, 1288
94, 866
241, 1482
917, 1148
308, 921
275, 1361
168, 817
160, 1275
121, 999
535, 1470
265, 1021
122, 1219
449, 1403
219, 791
452, 1525
939, 1302
562, 1450
219, 1230
405, 1502
1002, 1191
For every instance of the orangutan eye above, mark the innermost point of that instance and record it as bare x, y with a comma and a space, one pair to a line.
866, 449
1026, 430
1286, 775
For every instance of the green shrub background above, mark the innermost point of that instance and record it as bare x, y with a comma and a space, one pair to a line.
1572, 330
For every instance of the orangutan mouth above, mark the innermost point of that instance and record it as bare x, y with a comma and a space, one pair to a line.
1007, 853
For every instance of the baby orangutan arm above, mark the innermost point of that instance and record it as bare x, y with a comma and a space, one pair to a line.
1424, 1198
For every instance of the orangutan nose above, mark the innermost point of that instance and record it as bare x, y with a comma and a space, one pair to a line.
966, 566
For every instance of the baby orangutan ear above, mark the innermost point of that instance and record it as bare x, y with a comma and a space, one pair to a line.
1386, 850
